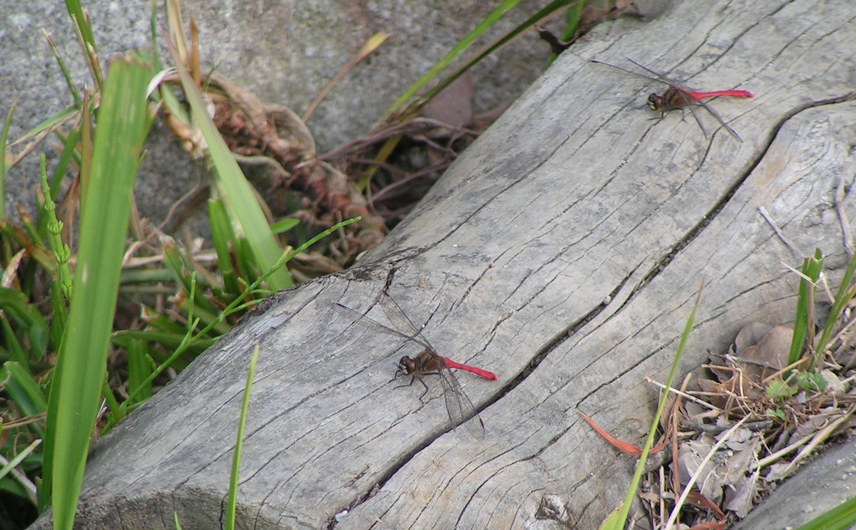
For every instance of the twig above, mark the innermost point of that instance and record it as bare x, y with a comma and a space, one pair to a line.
716, 429
785, 240
764, 462
683, 394
676, 475
818, 438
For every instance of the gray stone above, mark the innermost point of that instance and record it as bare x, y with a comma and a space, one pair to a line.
284, 52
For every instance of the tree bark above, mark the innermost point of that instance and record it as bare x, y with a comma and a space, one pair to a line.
563, 251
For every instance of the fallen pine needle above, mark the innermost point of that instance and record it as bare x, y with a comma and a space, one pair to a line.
622, 446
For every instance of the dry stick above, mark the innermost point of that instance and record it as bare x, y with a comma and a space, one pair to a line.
785, 240
684, 395
787, 368
764, 462
370, 46
676, 475
816, 439
716, 429
698, 471
840, 336
410, 127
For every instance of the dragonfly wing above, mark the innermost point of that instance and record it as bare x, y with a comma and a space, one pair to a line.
400, 320
459, 406
700, 126
374, 325
719, 119
656, 74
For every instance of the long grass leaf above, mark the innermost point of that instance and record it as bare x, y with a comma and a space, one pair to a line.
232, 500
139, 368
503, 40
840, 517
238, 303
233, 186
453, 54
842, 299
655, 421
805, 300
69, 80
4, 137
222, 236
81, 20
21, 388
123, 123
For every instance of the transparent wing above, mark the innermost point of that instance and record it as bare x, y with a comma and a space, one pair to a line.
370, 323
718, 118
399, 319
693, 112
459, 406
657, 75
689, 97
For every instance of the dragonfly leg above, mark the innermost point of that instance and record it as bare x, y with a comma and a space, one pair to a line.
659, 118
421, 382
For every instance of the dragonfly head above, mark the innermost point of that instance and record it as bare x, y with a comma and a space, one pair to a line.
406, 366
655, 102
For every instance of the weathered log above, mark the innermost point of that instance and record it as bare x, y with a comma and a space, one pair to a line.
563, 251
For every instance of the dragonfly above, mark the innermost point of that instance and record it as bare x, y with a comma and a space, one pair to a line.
676, 97
428, 362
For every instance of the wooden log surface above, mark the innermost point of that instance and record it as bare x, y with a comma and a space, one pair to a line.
563, 251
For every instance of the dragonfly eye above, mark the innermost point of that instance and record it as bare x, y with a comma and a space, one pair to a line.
655, 102
406, 366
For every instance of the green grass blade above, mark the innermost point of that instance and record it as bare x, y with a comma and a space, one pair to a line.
655, 422
139, 368
842, 299
76, 11
27, 317
465, 43
19, 458
805, 304
233, 187
4, 137
573, 22
20, 387
841, 517
222, 236
69, 80
238, 303
167, 340
51, 123
82, 26
69, 151
574, 16
284, 225
14, 351
475, 58
232, 500
123, 123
